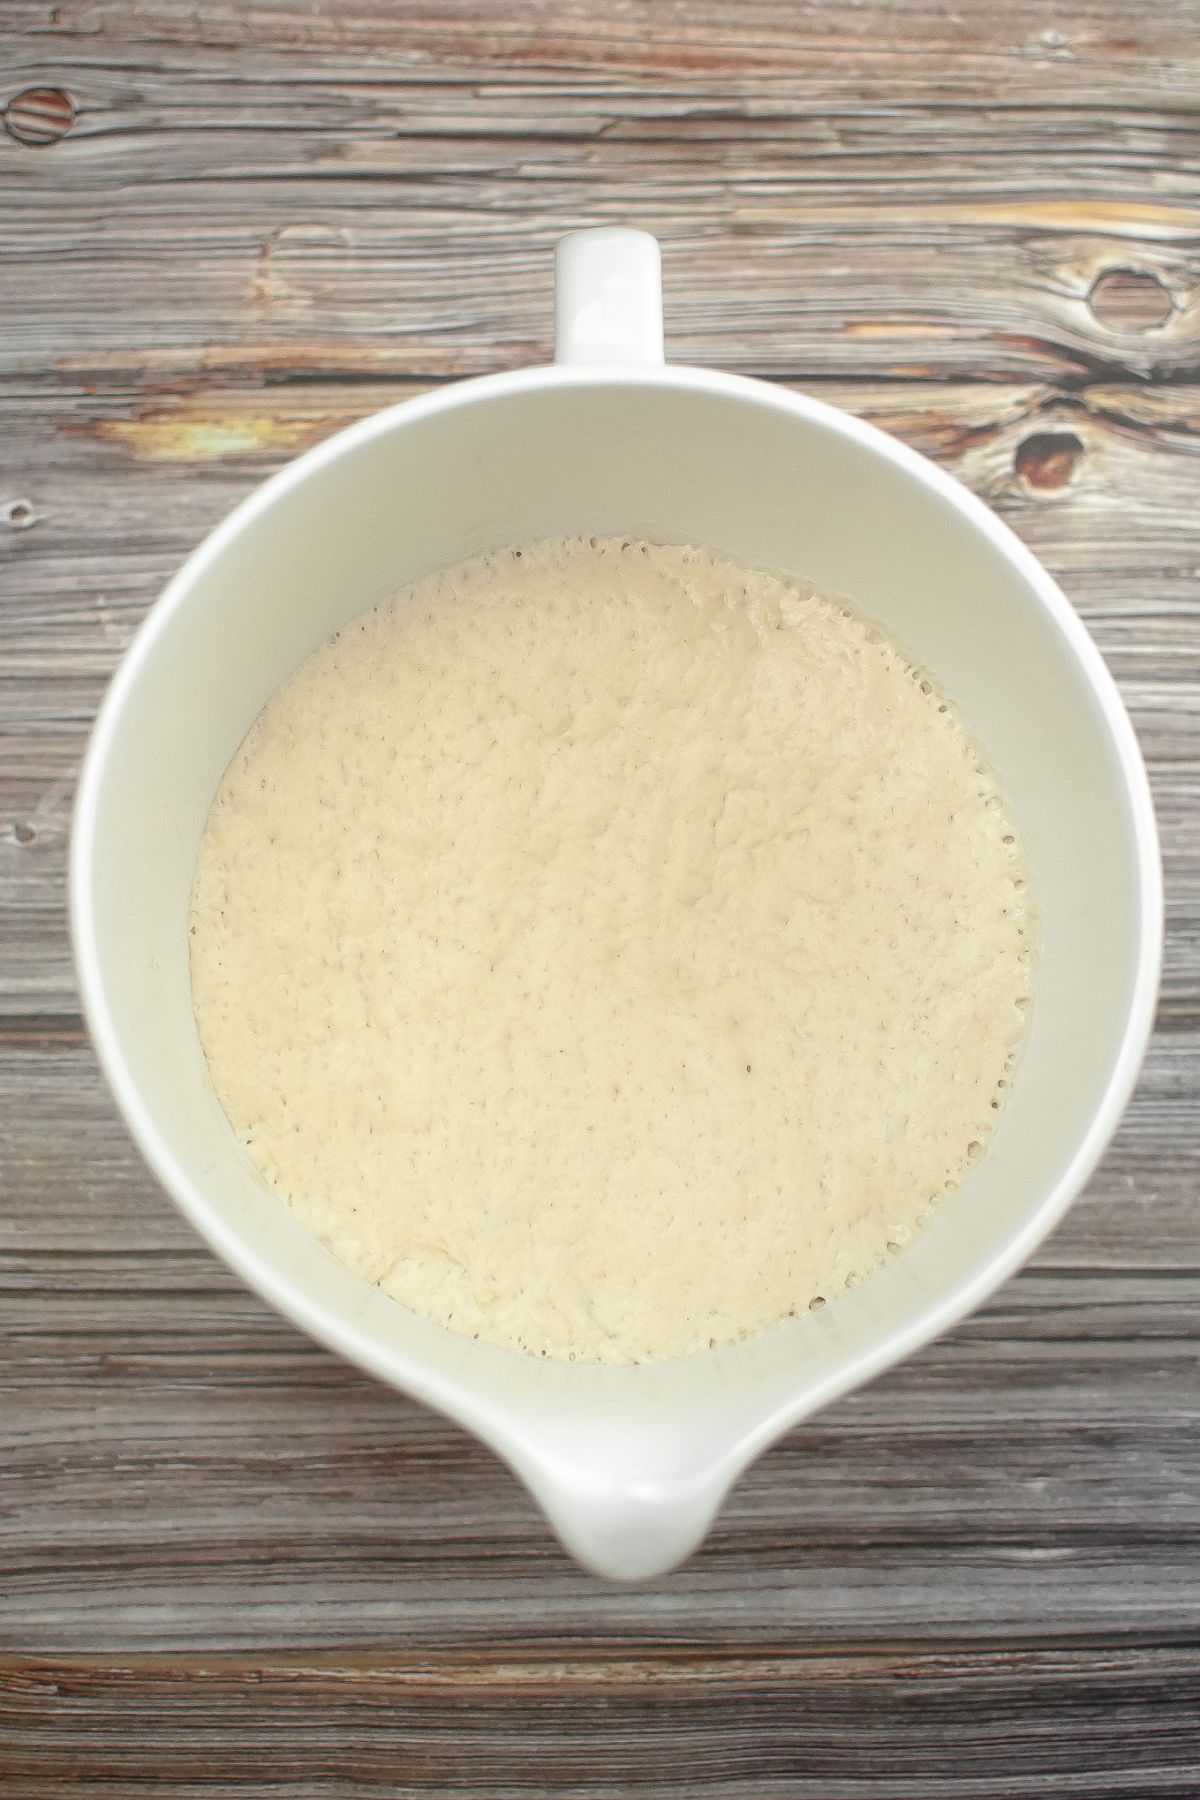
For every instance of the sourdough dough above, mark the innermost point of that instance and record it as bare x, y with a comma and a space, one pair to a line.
610, 949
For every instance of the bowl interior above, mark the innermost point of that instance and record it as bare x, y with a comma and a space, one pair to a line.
671, 456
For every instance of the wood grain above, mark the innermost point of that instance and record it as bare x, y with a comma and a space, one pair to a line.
857, 1723
228, 1562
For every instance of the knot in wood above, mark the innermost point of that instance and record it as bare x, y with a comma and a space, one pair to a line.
1048, 459
39, 116
1130, 300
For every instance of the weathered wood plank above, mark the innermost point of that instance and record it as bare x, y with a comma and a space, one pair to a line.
1104, 48
869, 1725
395, 214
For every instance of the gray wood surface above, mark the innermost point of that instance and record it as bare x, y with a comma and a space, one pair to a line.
229, 1563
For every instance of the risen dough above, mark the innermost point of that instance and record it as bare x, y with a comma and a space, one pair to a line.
609, 949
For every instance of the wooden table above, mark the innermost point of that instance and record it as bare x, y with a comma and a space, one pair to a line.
233, 1565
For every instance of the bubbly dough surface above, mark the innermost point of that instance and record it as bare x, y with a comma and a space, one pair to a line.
609, 949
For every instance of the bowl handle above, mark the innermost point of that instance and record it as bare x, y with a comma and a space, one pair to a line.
608, 298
